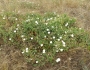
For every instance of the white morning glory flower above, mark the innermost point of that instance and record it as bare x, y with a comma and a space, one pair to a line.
31, 38
57, 51
10, 39
61, 50
72, 35
46, 23
53, 37
22, 52
16, 19
64, 44
65, 32
47, 29
66, 24
22, 36
52, 26
24, 39
26, 49
16, 28
41, 45
14, 31
36, 22
58, 60
80, 28
50, 42
51, 18
36, 61
45, 36
44, 51
17, 25
48, 32
4, 17
58, 39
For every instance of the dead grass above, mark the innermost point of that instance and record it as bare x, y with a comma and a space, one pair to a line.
75, 8
11, 59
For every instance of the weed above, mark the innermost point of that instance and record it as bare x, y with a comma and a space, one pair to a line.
40, 37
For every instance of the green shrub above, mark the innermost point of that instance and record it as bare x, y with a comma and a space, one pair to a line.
41, 37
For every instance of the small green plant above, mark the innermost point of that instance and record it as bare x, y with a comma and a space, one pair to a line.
41, 37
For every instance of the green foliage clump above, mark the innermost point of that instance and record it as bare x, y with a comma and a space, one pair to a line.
41, 37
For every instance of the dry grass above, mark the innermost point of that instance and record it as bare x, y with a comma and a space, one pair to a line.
75, 8
11, 59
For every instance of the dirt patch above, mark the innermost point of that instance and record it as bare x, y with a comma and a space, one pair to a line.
11, 59
75, 59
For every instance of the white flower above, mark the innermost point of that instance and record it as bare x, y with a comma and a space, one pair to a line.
14, 31
31, 38
26, 49
48, 32
17, 25
36, 22
52, 26
58, 39
64, 44
22, 52
44, 36
16, 19
48, 19
57, 51
66, 24
43, 51
46, 23
41, 45
50, 42
36, 61
58, 60
72, 35
51, 18
47, 29
22, 36
4, 17
53, 37
24, 39
28, 20
61, 50
16, 28
10, 39
80, 28
65, 32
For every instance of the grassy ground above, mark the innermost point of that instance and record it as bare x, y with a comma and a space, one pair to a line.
74, 59
78, 8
